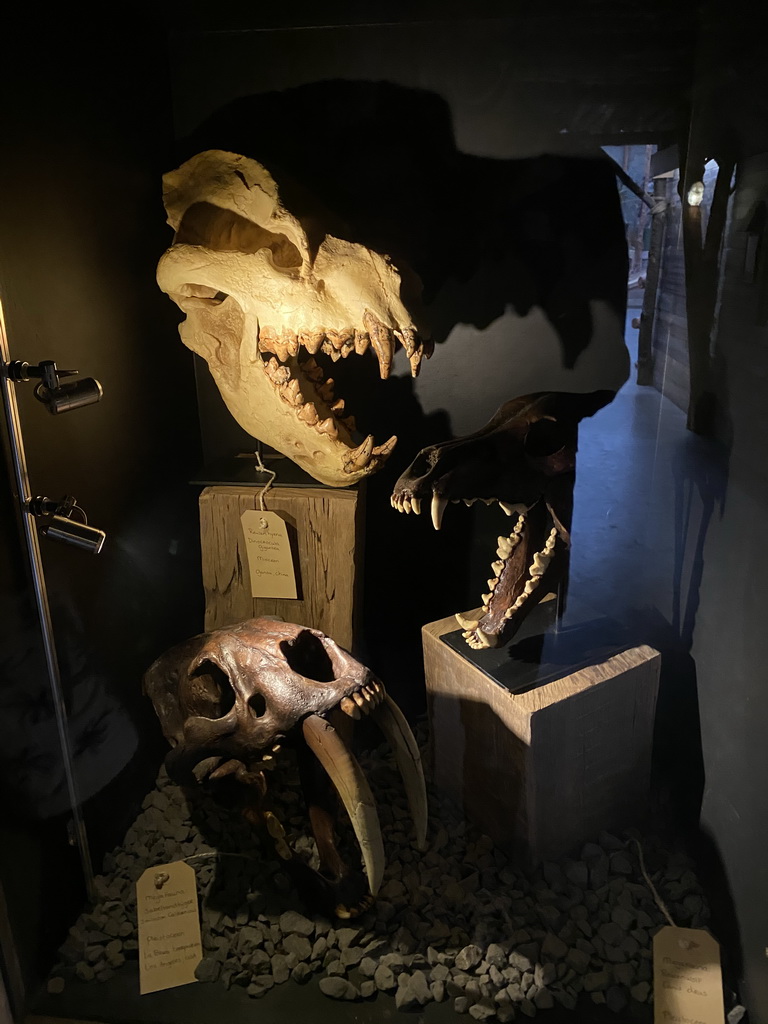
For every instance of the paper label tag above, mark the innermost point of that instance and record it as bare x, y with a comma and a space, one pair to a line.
169, 927
687, 980
269, 554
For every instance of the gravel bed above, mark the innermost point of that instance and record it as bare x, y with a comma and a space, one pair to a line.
458, 922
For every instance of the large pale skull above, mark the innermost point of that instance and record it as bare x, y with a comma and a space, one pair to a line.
524, 459
264, 289
228, 702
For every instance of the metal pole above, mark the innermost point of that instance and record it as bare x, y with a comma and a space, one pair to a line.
23, 494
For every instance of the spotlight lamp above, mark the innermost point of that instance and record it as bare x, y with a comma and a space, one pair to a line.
55, 523
54, 517
54, 395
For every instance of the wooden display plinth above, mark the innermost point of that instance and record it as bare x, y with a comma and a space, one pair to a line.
543, 770
326, 536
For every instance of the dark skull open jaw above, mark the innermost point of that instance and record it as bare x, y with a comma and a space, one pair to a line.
229, 700
524, 459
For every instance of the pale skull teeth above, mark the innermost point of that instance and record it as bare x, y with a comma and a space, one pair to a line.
292, 392
469, 501
487, 599
362, 342
338, 407
416, 505
498, 567
358, 698
308, 414
328, 426
492, 583
406, 505
505, 547
519, 525
325, 390
312, 340
510, 509
381, 342
438, 508
415, 361
312, 369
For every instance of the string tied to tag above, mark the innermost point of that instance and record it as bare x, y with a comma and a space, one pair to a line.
659, 902
272, 477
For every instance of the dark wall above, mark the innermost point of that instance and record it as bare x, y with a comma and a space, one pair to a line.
86, 130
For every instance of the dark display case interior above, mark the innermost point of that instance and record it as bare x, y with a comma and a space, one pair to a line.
566, 202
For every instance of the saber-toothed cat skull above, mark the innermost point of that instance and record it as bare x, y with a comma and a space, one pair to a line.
228, 701
264, 289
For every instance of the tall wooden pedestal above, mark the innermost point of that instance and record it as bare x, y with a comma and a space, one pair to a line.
543, 770
325, 527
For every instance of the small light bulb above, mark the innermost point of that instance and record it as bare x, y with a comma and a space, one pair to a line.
696, 193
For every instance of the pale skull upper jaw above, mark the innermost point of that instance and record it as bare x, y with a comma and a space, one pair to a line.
243, 271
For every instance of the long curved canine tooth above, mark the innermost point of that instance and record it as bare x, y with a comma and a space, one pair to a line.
393, 724
360, 457
351, 785
416, 505
415, 361
466, 623
349, 707
438, 507
381, 340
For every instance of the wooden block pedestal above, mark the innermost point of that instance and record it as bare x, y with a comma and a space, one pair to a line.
325, 528
544, 770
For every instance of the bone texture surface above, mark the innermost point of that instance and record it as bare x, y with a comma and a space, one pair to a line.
456, 923
261, 302
232, 700
522, 462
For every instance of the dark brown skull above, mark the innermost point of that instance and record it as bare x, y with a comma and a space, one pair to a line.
229, 700
524, 459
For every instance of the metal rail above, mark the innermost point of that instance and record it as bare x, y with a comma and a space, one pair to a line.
24, 495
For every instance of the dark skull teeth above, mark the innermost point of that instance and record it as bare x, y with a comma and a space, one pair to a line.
362, 701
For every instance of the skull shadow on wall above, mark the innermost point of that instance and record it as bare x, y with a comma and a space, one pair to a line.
321, 225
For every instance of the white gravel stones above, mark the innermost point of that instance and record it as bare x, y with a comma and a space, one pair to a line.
456, 923
338, 988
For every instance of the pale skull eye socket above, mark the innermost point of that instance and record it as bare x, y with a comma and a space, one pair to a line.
211, 694
307, 655
225, 231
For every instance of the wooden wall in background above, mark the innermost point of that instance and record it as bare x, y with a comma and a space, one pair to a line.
670, 328
325, 526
